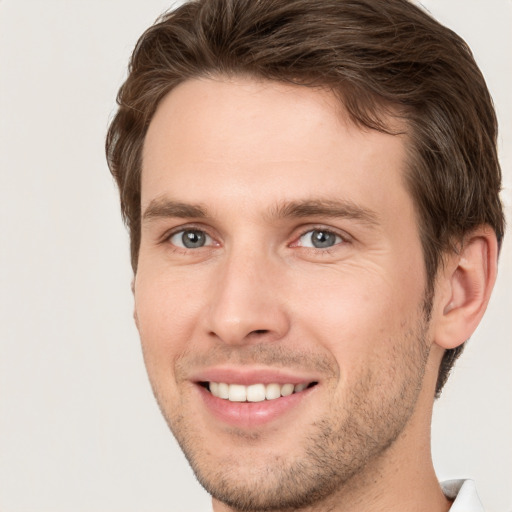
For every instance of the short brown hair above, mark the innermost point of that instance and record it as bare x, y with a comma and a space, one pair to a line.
376, 56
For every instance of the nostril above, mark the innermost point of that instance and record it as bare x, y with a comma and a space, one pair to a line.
260, 331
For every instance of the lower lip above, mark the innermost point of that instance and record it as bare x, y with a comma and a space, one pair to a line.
251, 414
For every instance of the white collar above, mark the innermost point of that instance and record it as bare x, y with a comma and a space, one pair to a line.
465, 495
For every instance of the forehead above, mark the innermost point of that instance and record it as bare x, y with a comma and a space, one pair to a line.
220, 140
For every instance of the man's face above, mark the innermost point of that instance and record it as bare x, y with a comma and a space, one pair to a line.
279, 252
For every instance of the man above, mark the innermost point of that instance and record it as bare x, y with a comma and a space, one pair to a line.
312, 192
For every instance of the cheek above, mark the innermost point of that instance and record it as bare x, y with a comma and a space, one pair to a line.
167, 312
357, 314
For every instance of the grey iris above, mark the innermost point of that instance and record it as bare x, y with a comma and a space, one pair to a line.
193, 239
321, 239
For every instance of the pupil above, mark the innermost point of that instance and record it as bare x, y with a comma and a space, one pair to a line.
323, 239
192, 239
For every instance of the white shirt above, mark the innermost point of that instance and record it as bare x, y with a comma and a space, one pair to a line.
464, 492
465, 495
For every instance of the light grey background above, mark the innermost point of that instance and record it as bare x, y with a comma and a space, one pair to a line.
78, 427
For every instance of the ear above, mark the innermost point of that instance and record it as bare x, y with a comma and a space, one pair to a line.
465, 286
134, 306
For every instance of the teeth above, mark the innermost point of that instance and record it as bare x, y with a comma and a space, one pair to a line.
254, 392
214, 388
272, 391
223, 391
237, 393
287, 389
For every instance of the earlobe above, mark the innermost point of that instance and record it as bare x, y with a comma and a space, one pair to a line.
468, 279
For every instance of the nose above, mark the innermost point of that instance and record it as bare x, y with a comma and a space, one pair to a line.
246, 303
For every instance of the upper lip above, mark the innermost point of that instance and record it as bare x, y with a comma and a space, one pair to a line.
248, 376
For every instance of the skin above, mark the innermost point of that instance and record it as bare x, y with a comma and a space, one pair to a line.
257, 296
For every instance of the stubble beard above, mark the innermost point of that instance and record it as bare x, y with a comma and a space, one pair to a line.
339, 452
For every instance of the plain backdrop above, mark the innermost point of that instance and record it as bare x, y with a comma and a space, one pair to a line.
79, 429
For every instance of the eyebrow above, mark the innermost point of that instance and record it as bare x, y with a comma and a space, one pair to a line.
324, 208
163, 208
167, 208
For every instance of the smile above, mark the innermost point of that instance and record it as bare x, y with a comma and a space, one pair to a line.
254, 392
252, 398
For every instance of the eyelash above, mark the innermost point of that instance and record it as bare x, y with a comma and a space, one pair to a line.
324, 251
166, 239
344, 239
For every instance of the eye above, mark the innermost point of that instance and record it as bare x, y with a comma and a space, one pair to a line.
190, 239
319, 239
